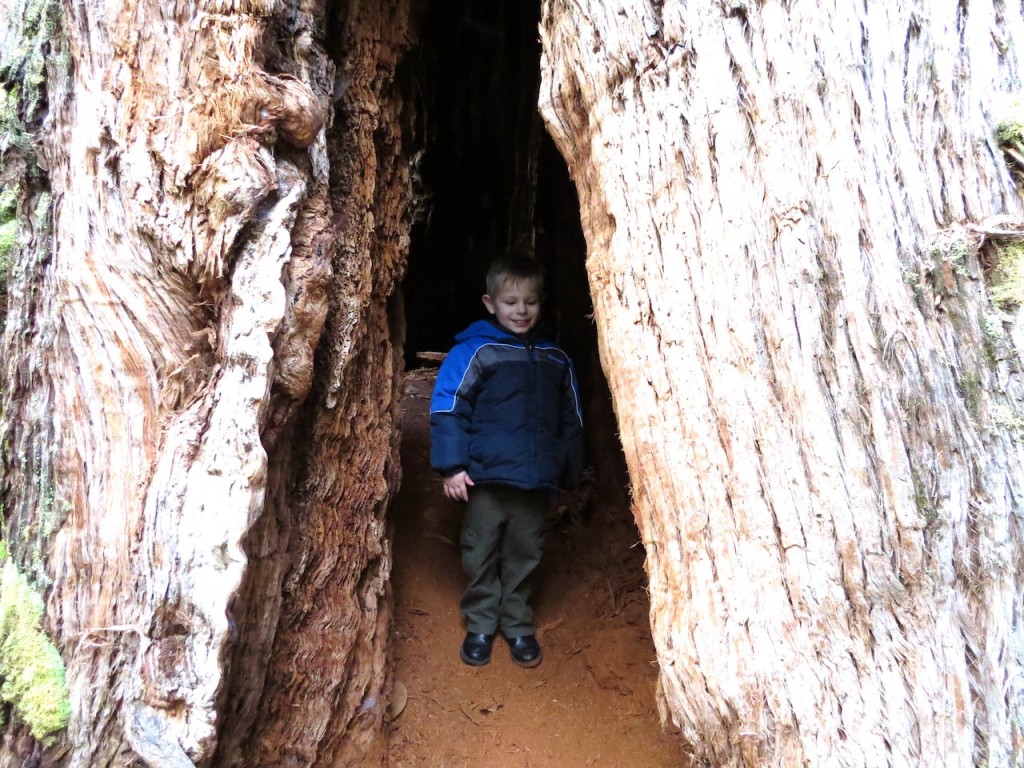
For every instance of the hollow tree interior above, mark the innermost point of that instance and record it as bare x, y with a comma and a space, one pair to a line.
487, 181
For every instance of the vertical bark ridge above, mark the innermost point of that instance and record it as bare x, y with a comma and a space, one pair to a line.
328, 653
813, 498
178, 165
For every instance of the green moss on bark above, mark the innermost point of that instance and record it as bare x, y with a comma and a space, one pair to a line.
1010, 134
8, 228
32, 674
8, 238
1006, 283
35, 49
37, 25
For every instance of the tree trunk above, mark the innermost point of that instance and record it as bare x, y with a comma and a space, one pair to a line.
824, 444
820, 407
200, 398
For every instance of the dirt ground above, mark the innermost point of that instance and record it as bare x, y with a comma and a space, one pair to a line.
590, 703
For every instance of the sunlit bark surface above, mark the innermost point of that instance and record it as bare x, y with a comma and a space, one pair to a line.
200, 380
823, 442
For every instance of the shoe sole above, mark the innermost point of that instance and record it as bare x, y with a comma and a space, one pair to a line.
528, 664
473, 662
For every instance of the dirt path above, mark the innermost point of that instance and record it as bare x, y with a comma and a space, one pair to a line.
590, 703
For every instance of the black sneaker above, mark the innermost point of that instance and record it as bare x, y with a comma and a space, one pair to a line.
476, 649
525, 650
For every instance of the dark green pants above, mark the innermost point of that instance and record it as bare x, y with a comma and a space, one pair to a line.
503, 535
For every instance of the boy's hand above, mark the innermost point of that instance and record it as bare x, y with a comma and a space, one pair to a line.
457, 486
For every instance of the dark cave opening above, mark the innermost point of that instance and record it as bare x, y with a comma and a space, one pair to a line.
475, 169
488, 180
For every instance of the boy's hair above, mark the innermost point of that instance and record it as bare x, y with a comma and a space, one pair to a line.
514, 268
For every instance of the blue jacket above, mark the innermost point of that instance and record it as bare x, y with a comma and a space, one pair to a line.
506, 410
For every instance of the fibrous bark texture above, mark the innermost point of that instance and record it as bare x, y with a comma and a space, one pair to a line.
200, 380
819, 407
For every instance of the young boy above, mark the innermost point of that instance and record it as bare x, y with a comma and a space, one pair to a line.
506, 430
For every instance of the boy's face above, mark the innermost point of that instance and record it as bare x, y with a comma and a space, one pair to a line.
516, 306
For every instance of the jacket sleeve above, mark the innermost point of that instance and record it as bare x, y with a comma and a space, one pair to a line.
572, 430
451, 411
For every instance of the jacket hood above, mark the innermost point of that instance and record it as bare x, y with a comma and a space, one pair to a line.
489, 330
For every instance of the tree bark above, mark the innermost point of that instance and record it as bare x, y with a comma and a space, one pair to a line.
199, 435
790, 312
819, 408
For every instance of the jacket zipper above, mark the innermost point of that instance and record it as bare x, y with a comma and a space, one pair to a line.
532, 355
